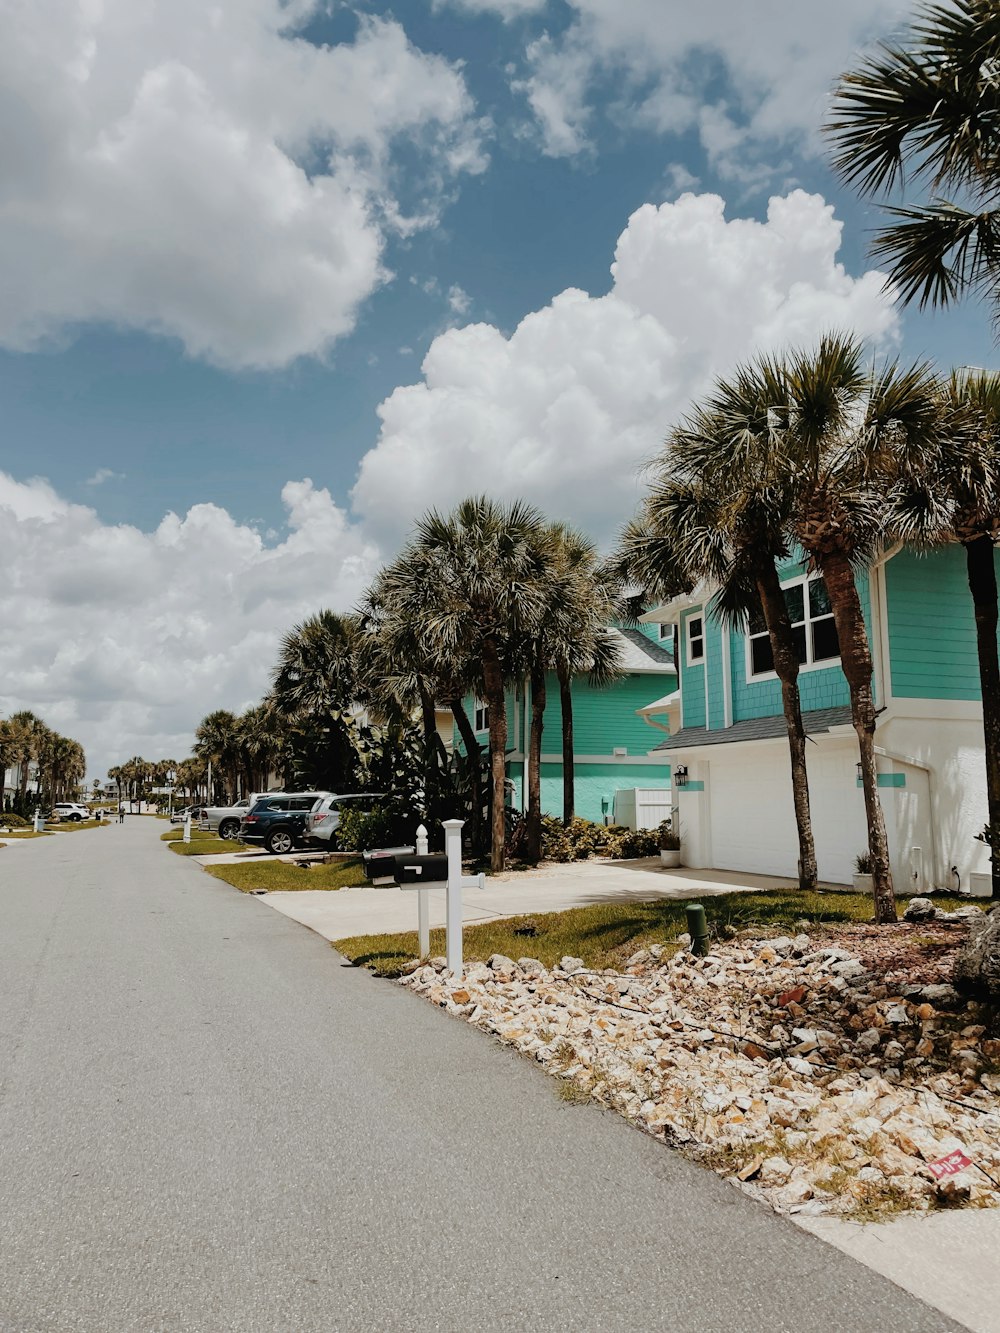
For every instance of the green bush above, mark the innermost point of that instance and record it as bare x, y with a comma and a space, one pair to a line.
385, 826
10, 820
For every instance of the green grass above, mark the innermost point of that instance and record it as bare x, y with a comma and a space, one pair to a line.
24, 833
281, 876
607, 934
75, 826
206, 845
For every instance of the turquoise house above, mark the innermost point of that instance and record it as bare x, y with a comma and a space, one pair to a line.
729, 753
614, 730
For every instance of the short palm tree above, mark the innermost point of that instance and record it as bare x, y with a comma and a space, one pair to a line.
832, 439
689, 531
215, 742
930, 105
314, 687
478, 574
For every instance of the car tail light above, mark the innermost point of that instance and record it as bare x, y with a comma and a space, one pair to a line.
249, 819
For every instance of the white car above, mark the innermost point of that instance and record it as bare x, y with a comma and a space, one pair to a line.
323, 822
71, 812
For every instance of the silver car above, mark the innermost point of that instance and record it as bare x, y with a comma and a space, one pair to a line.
323, 822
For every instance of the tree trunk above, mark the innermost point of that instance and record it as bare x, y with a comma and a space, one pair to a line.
856, 661
983, 586
474, 751
786, 666
533, 830
569, 775
493, 688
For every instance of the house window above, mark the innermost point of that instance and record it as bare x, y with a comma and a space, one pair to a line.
482, 716
813, 629
695, 627
666, 631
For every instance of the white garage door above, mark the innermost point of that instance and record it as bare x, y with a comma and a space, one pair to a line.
753, 824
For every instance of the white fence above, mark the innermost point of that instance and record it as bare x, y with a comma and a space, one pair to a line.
643, 807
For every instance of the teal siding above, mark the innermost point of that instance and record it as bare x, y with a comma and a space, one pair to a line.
713, 648
605, 719
819, 687
932, 628
692, 678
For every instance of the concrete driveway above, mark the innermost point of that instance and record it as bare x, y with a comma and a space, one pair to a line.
338, 914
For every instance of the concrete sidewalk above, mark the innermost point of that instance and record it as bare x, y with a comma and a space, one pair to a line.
338, 914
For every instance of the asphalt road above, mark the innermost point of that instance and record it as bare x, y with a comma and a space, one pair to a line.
208, 1121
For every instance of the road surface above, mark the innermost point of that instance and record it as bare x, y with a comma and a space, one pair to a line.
208, 1121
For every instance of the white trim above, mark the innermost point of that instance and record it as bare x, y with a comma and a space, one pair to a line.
688, 659
727, 678
883, 657
612, 760
943, 710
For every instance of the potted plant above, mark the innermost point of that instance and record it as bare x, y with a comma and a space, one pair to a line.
670, 845
862, 880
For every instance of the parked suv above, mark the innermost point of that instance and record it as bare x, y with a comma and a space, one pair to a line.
322, 824
71, 812
279, 822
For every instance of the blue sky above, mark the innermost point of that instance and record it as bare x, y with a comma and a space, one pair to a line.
227, 245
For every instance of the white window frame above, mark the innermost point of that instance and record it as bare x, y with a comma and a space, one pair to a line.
688, 650
752, 677
481, 712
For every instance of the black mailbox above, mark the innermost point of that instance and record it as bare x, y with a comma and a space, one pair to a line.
421, 869
380, 863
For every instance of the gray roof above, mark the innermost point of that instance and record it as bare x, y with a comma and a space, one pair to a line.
755, 729
639, 653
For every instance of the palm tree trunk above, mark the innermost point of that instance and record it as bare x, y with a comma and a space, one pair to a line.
474, 752
856, 661
981, 568
493, 688
786, 666
533, 828
569, 776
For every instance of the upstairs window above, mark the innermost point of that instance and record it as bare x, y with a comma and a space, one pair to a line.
482, 716
813, 629
695, 629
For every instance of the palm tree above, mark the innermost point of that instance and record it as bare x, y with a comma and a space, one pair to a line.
952, 493
686, 533
258, 743
215, 742
832, 436
572, 638
27, 737
477, 572
314, 687
929, 105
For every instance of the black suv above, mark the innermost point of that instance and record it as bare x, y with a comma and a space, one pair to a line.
279, 822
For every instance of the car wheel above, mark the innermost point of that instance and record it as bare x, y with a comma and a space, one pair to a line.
229, 829
279, 842
75, 819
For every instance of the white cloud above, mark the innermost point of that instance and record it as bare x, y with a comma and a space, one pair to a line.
504, 9
740, 73
458, 299
202, 172
564, 409
102, 475
125, 639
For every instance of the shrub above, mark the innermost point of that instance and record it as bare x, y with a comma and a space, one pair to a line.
584, 839
863, 864
667, 839
10, 820
385, 826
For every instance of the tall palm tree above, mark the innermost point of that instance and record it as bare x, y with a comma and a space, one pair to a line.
952, 493
478, 572
215, 742
258, 740
930, 106
314, 687
27, 737
833, 433
686, 534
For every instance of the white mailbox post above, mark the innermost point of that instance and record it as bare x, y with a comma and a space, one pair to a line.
187, 828
456, 883
39, 822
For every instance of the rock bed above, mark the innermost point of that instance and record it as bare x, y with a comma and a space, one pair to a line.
785, 1064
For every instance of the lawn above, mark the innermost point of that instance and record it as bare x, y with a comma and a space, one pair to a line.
206, 845
76, 826
24, 833
607, 934
280, 876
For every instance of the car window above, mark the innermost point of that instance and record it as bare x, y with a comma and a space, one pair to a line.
302, 803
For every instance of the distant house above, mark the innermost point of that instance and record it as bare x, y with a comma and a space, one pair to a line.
611, 734
729, 754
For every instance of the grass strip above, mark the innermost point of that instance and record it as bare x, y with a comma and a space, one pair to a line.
204, 846
25, 833
282, 876
606, 934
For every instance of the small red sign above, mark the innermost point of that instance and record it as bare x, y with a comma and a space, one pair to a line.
950, 1165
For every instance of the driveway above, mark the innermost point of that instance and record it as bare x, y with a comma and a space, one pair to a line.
208, 1122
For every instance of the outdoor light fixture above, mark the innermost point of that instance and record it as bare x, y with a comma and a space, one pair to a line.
861, 776
681, 775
